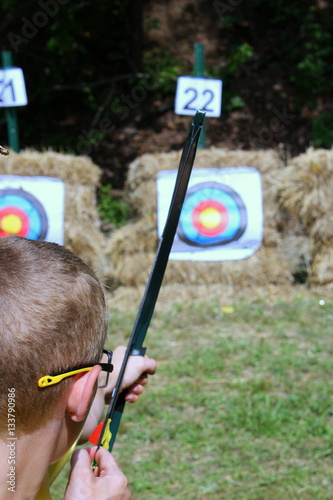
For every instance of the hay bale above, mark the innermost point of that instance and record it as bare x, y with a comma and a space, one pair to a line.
132, 249
305, 187
140, 189
305, 193
136, 237
71, 169
321, 231
322, 268
81, 177
266, 266
260, 269
141, 194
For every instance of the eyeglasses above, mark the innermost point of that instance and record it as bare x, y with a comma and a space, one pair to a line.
48, 380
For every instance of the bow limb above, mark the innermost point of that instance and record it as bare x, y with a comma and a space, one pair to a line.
134, 347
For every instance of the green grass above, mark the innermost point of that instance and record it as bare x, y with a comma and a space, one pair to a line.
241, 407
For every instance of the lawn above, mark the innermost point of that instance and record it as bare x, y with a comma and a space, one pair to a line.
241, 407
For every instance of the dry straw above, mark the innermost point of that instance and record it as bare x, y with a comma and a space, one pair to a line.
81, 177
267, 266
131, 250
141, 183
298, 224
305, 193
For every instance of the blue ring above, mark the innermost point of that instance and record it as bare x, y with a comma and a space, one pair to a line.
225, 195
31, 207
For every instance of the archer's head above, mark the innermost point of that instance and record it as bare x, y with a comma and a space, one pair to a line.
53, 316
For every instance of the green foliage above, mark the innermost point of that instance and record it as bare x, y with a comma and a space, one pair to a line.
299, 44
236, 102
322, 130
112, 210
151, 23
239, 56
313, 61
86, 55
79, 44
163, 70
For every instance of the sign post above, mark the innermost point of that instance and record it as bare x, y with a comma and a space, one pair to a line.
198, 92
199, 72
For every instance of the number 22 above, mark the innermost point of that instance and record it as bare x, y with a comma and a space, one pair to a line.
194, 97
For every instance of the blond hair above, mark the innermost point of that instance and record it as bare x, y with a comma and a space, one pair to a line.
53, 316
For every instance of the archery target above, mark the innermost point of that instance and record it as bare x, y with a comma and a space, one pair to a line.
32, 207
212, 214
22, 214
222, 214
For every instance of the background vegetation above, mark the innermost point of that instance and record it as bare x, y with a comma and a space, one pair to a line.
83, 61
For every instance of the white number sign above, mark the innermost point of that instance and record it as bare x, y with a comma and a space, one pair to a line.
12, 88
198, 93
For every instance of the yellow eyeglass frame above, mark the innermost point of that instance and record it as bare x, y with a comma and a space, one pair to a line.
55, 379
48, 380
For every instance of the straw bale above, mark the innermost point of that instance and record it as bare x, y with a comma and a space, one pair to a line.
131, 250
265, 266
140, 187
88, 243
69, 168
317, 161
130, 297
321, 231
322, 267
136, 237
302, 193
141, 193
81, 176
305, 186
305, 193
131, 270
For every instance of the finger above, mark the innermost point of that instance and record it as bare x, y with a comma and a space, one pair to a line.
144, 364
131, 398
80, 461
80, 458
107, 466
135, 389
140, 381
151, 365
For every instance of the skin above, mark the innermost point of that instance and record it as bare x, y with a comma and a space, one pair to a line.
109, 483
79, 413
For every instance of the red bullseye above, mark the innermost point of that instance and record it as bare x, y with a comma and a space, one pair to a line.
213, 214
210, 218
13, 221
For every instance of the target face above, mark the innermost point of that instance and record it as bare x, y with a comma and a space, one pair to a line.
213, 214
22, 214
222, 215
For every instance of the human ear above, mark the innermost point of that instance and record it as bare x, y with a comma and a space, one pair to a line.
81, 394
